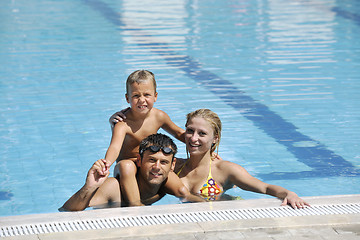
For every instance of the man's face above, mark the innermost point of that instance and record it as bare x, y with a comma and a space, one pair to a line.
155, 167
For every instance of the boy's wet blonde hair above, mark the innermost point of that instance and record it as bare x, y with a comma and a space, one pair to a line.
211, 118
140, 76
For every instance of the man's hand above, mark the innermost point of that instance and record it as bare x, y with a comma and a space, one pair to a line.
98, 173
294, 201
118, 117
96, 176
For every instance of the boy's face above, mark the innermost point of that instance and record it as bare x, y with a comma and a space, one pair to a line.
142, 96
155, 167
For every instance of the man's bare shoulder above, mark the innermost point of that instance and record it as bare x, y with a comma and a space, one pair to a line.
111, 189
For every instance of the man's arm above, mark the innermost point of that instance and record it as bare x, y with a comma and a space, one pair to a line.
118, 117
175, 186
96, 176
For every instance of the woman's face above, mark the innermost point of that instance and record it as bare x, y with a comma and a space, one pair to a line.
199, 135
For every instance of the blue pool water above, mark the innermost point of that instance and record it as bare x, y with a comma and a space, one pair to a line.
282, 75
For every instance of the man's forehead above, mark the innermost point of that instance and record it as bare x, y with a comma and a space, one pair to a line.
158, 155
157, 148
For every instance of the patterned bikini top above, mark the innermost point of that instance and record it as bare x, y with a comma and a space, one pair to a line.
210, 191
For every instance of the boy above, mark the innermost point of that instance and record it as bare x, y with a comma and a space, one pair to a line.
142, 120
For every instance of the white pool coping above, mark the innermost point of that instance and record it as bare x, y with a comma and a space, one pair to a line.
193, 226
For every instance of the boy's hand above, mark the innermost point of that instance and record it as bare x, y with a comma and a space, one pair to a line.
98, 173
118, 117
294, 201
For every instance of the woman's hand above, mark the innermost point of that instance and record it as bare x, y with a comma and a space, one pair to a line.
294, 201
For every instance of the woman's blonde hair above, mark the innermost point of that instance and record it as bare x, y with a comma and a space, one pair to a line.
211, 118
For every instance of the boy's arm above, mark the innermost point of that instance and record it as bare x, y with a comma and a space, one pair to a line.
170, 127
117, 139
96, 176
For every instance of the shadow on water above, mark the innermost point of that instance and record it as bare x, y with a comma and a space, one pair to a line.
5, 195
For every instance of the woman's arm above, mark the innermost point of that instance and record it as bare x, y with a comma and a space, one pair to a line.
287, 196
241, 178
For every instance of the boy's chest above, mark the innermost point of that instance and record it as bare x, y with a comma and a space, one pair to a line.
140, 130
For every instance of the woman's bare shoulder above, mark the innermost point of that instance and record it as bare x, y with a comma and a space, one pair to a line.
224, 165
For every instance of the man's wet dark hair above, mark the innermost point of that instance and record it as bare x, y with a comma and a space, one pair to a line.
160, 140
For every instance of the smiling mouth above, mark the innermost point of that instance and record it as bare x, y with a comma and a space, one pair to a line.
192, 145
156, 175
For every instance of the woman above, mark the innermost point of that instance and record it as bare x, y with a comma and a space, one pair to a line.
211, 177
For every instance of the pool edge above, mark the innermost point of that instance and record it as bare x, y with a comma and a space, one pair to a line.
191, 227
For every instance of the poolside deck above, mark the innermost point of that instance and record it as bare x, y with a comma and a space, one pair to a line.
330, 217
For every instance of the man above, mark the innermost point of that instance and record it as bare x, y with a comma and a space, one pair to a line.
155, 160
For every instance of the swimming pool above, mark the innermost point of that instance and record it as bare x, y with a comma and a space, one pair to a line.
283, 76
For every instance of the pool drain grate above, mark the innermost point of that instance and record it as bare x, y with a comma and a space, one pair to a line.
174, 218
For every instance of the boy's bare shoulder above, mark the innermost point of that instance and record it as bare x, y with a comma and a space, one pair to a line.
158, 111
121, 127
159, 114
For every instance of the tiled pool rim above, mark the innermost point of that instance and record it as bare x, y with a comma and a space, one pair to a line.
259, 213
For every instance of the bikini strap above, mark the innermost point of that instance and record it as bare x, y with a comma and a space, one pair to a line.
182, 167
210, 175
